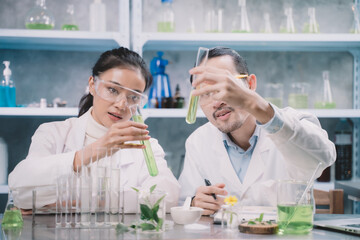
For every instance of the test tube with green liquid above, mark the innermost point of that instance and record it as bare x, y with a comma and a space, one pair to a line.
202, 57
148, 153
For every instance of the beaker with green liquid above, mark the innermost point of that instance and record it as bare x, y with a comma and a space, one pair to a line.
12, 215
69, 21
148, 153
39, 17
202, 57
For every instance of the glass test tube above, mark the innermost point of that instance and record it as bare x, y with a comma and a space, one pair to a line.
201, 58
148, 153
115, 206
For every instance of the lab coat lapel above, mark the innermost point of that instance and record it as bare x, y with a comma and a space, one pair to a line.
227, 171
257, 163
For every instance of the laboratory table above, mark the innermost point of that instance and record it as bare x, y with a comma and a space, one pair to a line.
44, 228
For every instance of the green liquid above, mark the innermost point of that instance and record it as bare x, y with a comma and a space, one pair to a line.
240, 31
191, 114
325, 105
148, 153
12, 219
70, 27
295, 219
306, 28
297, 100
39, 26
276, 101
165, 27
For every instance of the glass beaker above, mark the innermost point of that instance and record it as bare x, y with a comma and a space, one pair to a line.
298, 96
294, 216
201, 58
39, 17
287, 25
69, 21
266, 28
213, 17
12, 215
166, 22
151, 201
274, 93
312, 26
241, 23
115, 186
326, 100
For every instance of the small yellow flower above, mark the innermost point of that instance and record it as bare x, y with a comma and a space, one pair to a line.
231, 200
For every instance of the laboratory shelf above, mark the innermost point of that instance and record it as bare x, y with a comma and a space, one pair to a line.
162, 113
248, 41
61, 40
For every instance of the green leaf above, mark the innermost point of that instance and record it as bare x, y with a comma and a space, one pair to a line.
137, 190
154, 213
251, 223
158, 201
146, 212
152, 188
147, 226
121, 228
261, 217
159, 225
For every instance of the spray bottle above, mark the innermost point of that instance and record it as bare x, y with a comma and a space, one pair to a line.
7, 88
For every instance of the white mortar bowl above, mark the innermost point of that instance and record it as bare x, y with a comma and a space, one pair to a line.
181, 215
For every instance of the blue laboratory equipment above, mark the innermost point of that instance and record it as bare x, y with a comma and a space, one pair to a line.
160, 90
7, 88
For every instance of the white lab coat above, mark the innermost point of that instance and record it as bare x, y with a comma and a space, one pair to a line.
293, 152
51, 155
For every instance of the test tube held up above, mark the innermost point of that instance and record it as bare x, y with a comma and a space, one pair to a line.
148, 153
201, 58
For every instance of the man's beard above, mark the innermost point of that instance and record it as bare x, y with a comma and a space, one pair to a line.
231, 126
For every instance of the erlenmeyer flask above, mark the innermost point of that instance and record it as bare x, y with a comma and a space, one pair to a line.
312, 26
241, 22
356, 23
39, 17
266, 28
327, 100
12, 215
287, 25
69, 22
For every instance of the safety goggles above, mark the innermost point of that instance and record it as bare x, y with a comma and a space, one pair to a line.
208, 98
114, 92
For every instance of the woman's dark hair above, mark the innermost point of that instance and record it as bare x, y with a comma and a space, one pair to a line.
238, 60
115, 58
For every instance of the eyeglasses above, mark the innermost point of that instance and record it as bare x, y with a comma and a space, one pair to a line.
114, 92
207, 98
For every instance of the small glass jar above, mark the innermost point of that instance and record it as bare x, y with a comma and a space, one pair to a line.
151, 210
39, 17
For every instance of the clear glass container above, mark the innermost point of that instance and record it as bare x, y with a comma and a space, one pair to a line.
240, 23
356, 23
326, 100
274, 93
266, 26
39, 17
69, 21
298, 97
287, 25
312, 26
12, 216
166, 22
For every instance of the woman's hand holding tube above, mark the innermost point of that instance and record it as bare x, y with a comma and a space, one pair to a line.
116, 137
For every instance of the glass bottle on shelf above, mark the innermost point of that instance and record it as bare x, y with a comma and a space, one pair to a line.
178, 99
39, 17
213, 17
241, 23
356, 22
97, 17
343, 145
69, 22
166, 22
312, 26
327, 100
287, 25
266, 28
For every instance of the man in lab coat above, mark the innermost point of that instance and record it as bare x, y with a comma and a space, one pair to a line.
248, 144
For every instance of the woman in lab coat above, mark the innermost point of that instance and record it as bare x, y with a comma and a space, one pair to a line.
119, 78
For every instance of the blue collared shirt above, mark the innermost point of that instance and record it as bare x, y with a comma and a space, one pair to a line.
240, 159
